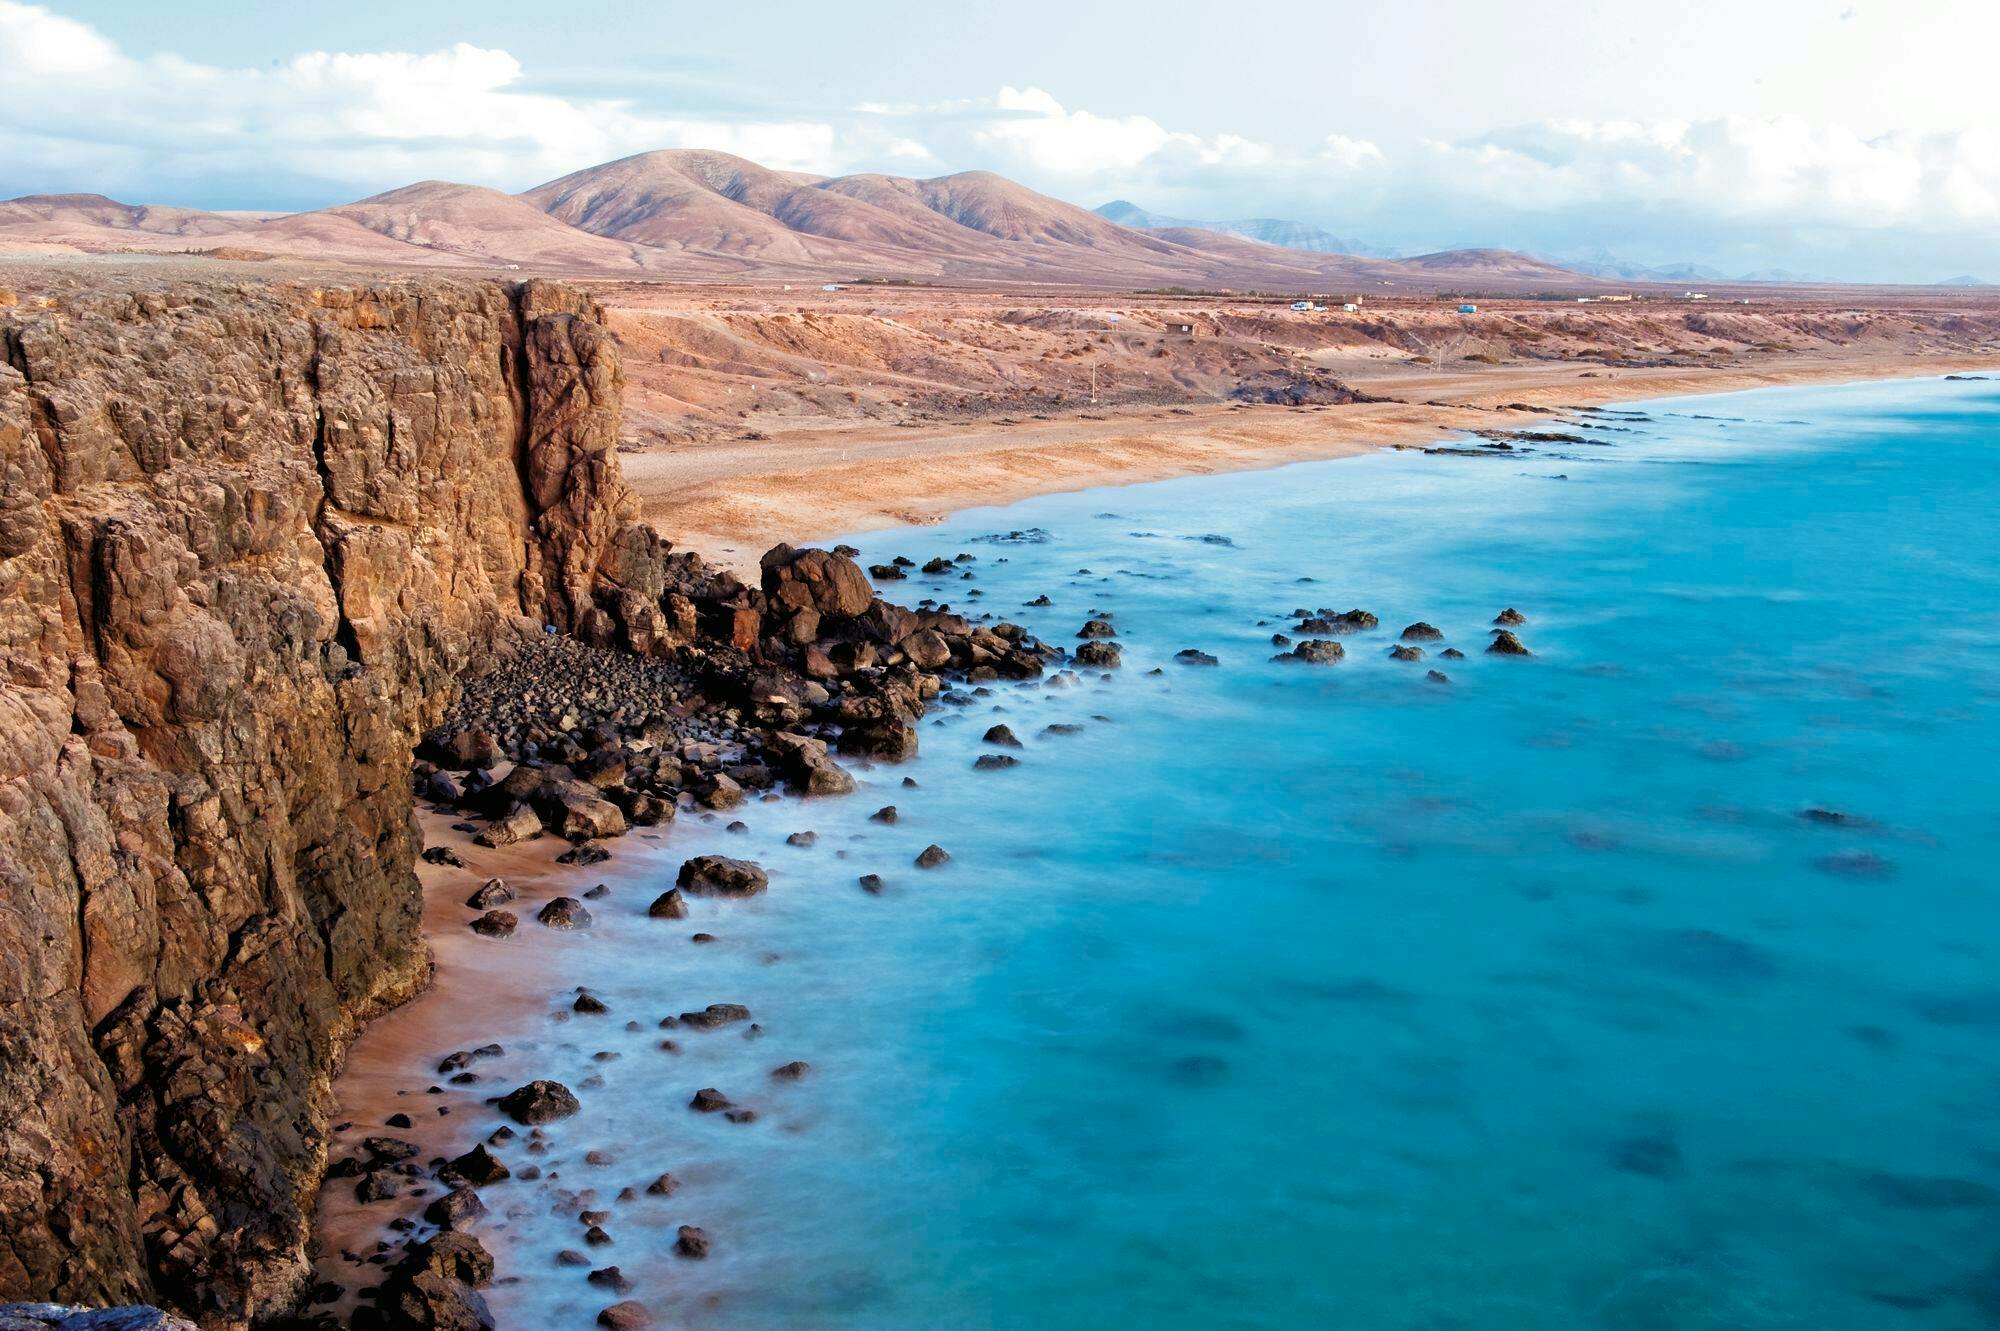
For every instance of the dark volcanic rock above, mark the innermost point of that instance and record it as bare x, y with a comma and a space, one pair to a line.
456, 1208
714, 1015
630, 1315
1315, 651
721, 876
539, 1102
496, 923
479, 1167
1002, 735
1101, 655
564, 913
494, 892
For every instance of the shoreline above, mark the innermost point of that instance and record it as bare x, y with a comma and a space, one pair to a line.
388, 1064
731, 500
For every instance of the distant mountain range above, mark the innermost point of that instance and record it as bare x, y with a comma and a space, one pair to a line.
697, 214
1266, 230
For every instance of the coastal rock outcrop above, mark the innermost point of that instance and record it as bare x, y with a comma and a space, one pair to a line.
251, 535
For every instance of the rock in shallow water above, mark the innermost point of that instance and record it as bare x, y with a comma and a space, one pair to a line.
564, 913
539, 1102
721, 876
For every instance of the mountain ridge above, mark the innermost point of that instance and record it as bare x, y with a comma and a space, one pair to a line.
700, 214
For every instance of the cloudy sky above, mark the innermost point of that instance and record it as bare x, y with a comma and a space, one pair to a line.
1850, 138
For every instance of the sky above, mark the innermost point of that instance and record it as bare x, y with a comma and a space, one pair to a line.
1853, 139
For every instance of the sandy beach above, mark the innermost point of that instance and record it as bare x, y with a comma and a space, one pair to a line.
733, 498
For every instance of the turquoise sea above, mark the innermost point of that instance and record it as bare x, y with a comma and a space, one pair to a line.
1648, 984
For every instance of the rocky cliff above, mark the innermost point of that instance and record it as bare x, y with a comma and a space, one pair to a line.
249, 537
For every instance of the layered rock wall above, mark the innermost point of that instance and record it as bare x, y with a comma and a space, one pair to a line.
249, 537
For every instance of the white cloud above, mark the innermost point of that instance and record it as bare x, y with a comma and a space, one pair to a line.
81, 114
86, 115
1779, 169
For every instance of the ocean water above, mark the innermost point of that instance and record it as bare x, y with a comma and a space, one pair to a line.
1286, 996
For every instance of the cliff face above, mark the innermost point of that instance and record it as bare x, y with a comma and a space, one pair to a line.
249, 536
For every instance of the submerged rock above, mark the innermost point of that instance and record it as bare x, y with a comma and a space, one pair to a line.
1511, 618
1405, 652
932, 856
1195, 657
1506, 644
1422, 632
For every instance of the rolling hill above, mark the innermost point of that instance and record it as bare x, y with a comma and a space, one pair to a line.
701, 215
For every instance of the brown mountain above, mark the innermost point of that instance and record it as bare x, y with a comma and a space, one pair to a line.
705, 215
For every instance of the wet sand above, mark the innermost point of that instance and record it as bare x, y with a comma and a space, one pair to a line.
733, 499
482, 989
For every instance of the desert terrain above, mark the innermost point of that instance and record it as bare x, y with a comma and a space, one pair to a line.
758, 414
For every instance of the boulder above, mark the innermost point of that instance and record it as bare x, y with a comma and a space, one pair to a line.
932, 856
427, 1301
479, 1167
539, 1102
715, 1015
927, 649
1317, 651
1097, 628
564, 913
1510, 618
721, 876
1102, 655
456, 1209
455, 1255
496, 924
887, 740
1422, 632
708, 1100
1003, 736
493, 892
691, 1241
630, 1315
1403, 651
828, 584
1195, 657
669, 905
1506, 644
